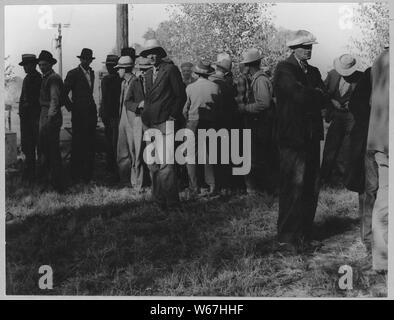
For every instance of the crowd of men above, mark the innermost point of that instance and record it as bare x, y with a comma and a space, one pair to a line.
284, 112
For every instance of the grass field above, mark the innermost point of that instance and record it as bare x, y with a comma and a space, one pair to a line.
105, 240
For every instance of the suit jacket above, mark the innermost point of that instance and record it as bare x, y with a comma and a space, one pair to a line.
135, 95
110, 89
29, 102
165, 97
299, 103
378, 133
82, 101
360, 107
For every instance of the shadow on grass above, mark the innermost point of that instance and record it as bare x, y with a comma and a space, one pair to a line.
333, 225
101, 240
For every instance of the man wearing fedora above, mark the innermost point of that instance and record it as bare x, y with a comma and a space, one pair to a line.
300, 94
125, 138
164, 101
109, 110
201, 112
80, 82
52, 98
133, 103
340, 83
228, 118
29, 114
258, 116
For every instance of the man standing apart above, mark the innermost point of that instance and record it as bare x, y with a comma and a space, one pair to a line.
29, 113
109, 111
259, 120
378, 142
125, 139
51, 100
80, 81
164, 101
298, 88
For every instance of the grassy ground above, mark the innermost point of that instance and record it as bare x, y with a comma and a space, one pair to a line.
105, 240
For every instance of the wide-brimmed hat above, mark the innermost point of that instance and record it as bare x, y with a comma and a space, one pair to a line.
251, 55
301, 37
128, 51
86, 53
203, 68
143, 63
346, 64
224, 61
112, 59
153, 46
28, 58
46, 56
124, 62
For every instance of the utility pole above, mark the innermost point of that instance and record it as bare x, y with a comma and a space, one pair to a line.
122, 27
58, 40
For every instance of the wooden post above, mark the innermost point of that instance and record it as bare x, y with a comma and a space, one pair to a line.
122, 27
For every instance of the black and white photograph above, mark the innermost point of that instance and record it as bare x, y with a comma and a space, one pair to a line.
213, 149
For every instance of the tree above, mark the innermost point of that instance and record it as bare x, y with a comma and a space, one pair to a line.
373, 21
8, 72
201, 31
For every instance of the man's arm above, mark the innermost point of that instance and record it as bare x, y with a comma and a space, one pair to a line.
178, 89
68, 86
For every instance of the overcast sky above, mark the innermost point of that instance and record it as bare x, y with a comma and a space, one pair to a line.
93, 26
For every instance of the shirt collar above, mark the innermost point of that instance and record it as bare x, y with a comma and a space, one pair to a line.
45, 75
84, 70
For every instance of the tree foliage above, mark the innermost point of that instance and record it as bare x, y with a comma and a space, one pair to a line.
8, 72
201, 31
373, 21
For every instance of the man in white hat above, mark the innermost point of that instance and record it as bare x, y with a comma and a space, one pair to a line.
257, 112
300, 97
164, 101
340, 83
29, 114
125, 136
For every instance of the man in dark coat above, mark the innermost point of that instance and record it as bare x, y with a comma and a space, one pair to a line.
362, 170
80, 81
109, 111
51, 119
29, 113
340, 83
299, 91
163, 105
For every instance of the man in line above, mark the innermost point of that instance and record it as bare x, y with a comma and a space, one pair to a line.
109, 111
257, 112
378, 143
164, 101
125, 139
29, 113
51, 100
200, 111
134, 102
340, 83
80, 82
299, 91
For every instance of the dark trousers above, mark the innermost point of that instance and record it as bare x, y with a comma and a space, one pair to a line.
111, 126
336, 147
29, 125
50, 157
367, 199
299, 191
83, 146
197, 171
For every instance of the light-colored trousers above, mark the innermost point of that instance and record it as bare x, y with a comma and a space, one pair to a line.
380, 215
130, 150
